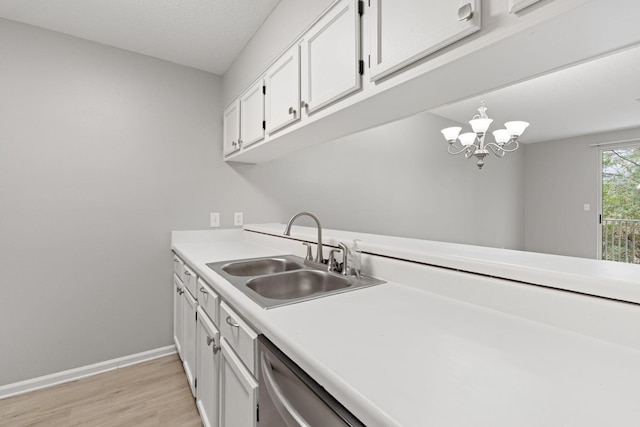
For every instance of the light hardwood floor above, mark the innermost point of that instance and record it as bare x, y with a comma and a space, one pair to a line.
153, 393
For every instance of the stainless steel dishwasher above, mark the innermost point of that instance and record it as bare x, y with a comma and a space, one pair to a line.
289, 397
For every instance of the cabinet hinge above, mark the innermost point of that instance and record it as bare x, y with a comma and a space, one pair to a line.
264, 125
264, 90
258, 413
360, 7
361, 67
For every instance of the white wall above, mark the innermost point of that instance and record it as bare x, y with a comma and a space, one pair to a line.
560, 177
102, 154
398, 179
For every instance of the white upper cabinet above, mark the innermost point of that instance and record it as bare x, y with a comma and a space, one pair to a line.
330, 57
252, 114
282, 100
231, 128
404, 31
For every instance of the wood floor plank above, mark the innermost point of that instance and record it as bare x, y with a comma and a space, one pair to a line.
153, 393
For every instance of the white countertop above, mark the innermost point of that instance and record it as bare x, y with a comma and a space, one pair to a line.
398, 356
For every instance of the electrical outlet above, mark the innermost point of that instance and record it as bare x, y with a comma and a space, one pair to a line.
237, 218
214, 219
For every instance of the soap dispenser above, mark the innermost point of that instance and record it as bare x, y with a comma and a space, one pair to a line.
356, 258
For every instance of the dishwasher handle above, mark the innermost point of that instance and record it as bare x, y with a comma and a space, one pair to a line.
286, 410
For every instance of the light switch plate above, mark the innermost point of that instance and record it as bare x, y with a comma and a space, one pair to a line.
237, 218
214, 219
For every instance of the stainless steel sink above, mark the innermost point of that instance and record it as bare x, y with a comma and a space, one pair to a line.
297, 284
256, 267
282, 280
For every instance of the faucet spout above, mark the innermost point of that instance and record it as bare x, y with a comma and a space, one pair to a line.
287, 232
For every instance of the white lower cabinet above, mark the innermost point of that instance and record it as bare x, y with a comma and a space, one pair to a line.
189, 308
208, 362
238, 391
218, 350
178, 328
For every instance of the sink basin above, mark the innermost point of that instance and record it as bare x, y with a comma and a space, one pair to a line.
258, 267
284, 279
297, 284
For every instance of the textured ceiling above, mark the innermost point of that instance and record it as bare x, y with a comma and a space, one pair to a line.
203, 34
596, 96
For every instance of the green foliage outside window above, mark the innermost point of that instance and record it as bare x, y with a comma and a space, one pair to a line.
621, 202
621, 183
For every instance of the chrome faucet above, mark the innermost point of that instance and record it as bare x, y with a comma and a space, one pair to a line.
287, 232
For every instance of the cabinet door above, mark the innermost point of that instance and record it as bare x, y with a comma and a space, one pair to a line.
208, 369
189, 339
252, 114
404, 31
238, 391
330, 53
231, 128
283, 91
178, 328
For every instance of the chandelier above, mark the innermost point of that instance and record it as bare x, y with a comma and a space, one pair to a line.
473, 143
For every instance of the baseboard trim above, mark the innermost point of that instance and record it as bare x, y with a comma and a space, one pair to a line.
51, 380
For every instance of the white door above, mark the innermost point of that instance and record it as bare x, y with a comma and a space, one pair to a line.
330, 53
282, 100
177, 315
231, 128
404, 31
252, 114
238, 391
189, 339
208, 369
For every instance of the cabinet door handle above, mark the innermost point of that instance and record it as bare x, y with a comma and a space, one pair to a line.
204, 291
234, 144
292, 111
231, 322
181, 291
216, 348
465, 13
186, 273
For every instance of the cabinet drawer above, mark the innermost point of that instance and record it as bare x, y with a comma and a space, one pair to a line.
178, 267
191, 281
209, 301
240, 336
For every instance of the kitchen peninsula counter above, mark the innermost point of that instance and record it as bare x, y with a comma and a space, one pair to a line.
405, 354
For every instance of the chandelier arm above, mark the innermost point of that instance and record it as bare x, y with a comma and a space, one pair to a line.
495, 148
470, 150
511, 150
461, 150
